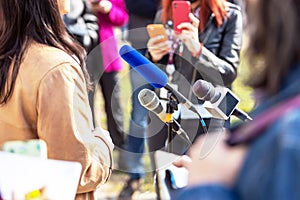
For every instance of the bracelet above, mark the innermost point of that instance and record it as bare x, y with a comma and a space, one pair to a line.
198, 53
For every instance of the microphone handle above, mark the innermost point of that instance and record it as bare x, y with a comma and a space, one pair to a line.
241, 115
179, 131
187, 104
181, 99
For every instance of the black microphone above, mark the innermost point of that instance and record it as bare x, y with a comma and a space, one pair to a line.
220, 102
150, 100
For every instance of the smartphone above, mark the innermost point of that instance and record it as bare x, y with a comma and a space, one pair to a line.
156, 30
180, 13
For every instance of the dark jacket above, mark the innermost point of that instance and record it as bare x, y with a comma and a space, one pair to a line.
220, 56
218, 64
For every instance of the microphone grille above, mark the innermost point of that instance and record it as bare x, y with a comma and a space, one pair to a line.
202, 88
146, 97
205, 91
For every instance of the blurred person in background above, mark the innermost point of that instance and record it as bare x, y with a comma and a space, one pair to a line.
141, 13
44, 90
263, 161
105, 67
207, 48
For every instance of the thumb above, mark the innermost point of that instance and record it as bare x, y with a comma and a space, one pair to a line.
195, 21
183, 161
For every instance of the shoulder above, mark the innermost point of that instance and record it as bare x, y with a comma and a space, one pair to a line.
288, 127
234, 14
283, 133
43, 64
40, 59
233, 9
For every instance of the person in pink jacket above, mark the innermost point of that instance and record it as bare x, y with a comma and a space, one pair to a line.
110, 13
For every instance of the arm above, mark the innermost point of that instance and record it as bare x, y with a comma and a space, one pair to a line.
283, 169
65, 123
223, 63
228, 59
208, 192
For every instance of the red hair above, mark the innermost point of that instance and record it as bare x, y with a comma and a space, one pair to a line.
207, 8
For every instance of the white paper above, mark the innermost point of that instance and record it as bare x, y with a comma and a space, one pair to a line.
20, 174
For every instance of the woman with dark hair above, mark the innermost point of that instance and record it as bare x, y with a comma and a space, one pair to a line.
207, 48
43, 89
264, 163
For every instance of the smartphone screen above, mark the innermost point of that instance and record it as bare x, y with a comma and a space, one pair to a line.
180, 13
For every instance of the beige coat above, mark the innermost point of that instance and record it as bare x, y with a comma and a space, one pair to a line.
50, 102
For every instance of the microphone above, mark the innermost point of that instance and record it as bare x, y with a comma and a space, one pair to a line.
150, 100
152, 74
219, 101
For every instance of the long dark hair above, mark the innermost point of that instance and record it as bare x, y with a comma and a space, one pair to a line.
26, 21
274, 42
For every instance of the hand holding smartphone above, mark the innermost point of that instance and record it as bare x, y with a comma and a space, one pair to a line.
180, 13
155, 30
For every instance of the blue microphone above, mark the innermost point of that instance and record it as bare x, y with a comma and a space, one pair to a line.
153, 75
150, 72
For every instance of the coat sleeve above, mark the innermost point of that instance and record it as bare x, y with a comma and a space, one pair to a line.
206, 192
65, 123
225, 64
285, 168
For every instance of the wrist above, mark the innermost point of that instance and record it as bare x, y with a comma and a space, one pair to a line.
198, 53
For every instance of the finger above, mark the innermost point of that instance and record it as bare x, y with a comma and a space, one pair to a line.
159, 45
157, 52
183, 161
185, 26
153, 41
159, 39
195, 21
186, 35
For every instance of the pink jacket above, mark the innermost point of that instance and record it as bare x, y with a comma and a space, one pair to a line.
118, 16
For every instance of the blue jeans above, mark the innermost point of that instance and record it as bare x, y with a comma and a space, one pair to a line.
135, 142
